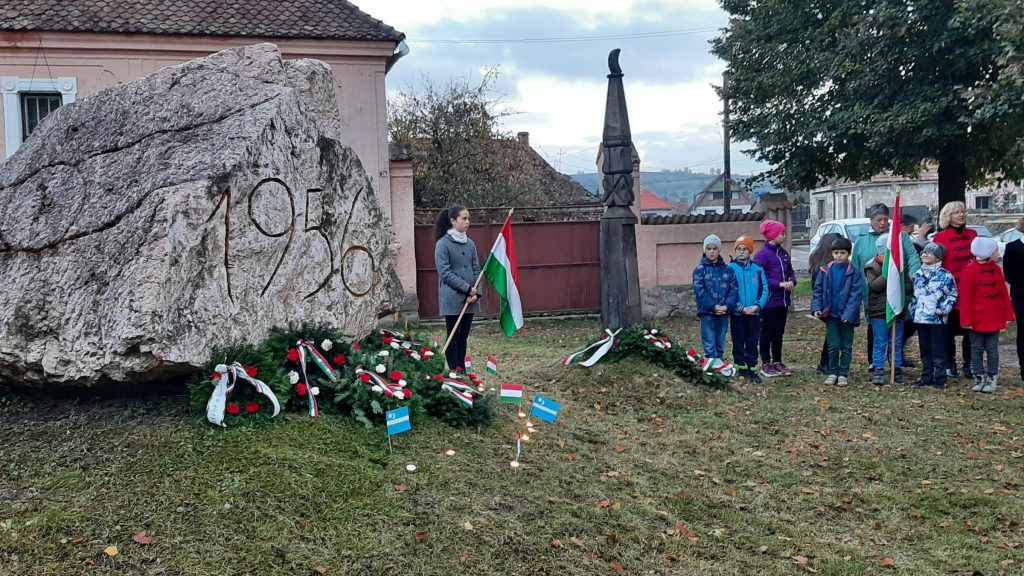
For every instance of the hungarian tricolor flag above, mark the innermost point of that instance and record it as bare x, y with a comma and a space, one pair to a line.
512, 393
492, 365
501, 271
893, 269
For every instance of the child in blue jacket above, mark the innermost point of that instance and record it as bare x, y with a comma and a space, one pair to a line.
838, 293
715, 286
745, 321
935, 295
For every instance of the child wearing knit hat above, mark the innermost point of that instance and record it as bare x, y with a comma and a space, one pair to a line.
745, 321
778, 270
985, 309
935, 294
714, 284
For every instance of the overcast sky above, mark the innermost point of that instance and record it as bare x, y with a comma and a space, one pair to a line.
558, 86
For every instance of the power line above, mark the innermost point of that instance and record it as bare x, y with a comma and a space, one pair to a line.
636, 35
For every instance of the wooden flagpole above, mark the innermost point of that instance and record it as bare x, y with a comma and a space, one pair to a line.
465, 306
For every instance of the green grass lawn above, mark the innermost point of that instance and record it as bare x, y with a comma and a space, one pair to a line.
642, 474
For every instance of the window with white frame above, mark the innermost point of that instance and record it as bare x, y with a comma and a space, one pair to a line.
982, 202
27, 101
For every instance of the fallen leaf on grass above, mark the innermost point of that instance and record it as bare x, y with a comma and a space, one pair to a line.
576, 541
888, 562
77, 539
730, 491
110, 551
808, 490
602, 504
420, 535
800, 560
467, 525
612, 538
142, 539
685, 532
464, 557
400, 487
557, 543
620, 448
303, 522
618, 568
320, 569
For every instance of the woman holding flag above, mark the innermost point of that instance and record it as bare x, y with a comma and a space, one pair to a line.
458, 268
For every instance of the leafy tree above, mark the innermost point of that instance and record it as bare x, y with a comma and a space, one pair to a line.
460, 153
834, 88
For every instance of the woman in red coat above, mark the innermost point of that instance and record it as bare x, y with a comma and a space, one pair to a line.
985, 308
956, 238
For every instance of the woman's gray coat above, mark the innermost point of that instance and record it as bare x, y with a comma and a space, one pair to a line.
457, 268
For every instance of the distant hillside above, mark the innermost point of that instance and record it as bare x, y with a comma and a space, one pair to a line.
674, 186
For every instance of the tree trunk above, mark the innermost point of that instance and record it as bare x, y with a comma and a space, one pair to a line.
952, 181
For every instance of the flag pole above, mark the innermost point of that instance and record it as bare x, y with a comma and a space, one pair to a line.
465, 306
892, 361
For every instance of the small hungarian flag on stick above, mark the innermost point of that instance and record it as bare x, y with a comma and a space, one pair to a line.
492, 365
467, 362
893, 269
512, 393
502, 272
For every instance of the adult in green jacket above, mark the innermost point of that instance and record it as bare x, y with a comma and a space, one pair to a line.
864, 252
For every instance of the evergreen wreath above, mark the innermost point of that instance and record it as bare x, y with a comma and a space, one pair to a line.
245, 406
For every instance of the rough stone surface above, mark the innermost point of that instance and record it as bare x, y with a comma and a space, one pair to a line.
196, 207
668, 302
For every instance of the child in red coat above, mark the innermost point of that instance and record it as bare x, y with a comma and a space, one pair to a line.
985, 309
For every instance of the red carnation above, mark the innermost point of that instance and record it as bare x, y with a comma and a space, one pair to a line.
251, 371
251, 407
388, 339
356, 346
408, 393
364, 377
300, 389
340, 359
293, 355
233, 408
216, 375
395, 375
424, 350
438, 377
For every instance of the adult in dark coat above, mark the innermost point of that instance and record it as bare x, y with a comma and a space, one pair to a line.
458, 267
821, 256
1013, 269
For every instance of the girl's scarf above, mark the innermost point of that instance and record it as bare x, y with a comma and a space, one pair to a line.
457, 236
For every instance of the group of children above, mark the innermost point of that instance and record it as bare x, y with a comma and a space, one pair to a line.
752, 295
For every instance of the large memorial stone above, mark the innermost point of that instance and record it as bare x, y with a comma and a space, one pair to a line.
197, 207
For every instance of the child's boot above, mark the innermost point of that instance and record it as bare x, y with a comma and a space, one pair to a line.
899, 376
979, 383
990, 385
878, 379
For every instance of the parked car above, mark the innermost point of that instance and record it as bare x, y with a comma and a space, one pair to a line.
851, 228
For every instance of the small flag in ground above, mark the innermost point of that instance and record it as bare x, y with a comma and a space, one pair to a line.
398, 421
468, 363
492, 365
512, 393
545, 408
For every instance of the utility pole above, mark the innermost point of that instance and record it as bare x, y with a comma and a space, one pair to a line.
727, 196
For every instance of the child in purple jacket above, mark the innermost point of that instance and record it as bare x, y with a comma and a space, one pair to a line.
778, 269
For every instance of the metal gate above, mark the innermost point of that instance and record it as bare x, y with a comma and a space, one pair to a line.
559, 266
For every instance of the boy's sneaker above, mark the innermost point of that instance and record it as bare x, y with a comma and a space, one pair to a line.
879, 378
753, 377
968, 373
979, 383
899, 376
831, 380
842, 381
951, 373
783, 369
921, 382
990, 385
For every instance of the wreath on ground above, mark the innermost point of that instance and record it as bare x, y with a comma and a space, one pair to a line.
315, 371
654, 346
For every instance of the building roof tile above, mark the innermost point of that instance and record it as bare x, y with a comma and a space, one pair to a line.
315, 19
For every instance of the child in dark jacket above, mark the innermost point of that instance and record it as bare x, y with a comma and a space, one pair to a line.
715, 286
881, 331
985, 308
838, 292
745, 321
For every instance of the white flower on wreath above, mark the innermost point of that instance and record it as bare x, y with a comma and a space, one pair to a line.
400, 394
452, 375
326, 344
415, 355
380, 368
377, 389
428, 353
659, 344
293, 377
315, 390
402, 383
395, 345
384, 353
654, 330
